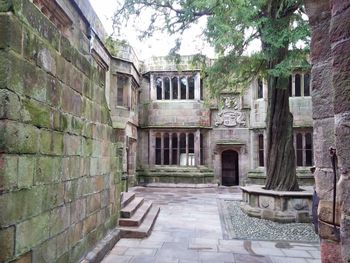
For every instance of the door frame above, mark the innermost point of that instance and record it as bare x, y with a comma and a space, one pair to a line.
235, 155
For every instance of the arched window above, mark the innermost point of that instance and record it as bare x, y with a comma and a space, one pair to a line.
307, 84
174, 146
261, 149
166, 88
166, 149
158, 149
260, 89
308, 149
159, 88
183, 84
191, 88
175, 88
299, 149
297, 85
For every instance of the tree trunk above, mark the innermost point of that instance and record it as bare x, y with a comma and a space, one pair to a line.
280, 163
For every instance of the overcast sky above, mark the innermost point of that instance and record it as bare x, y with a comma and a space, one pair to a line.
160, 44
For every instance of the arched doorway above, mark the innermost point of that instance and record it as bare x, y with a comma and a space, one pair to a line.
229, 164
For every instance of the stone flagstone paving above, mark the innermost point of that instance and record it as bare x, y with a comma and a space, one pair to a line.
188, 230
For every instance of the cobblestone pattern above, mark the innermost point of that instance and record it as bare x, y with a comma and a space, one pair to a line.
58, 164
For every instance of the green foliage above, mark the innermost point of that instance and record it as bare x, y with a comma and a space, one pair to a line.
114, 45
232, 25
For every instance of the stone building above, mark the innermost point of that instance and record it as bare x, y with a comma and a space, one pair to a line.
186, 137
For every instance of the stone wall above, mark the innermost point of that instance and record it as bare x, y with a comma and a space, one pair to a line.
330, 46
59, 179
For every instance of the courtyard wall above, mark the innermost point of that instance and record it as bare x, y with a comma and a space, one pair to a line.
59, 161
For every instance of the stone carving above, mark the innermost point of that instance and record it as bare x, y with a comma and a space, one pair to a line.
230, 116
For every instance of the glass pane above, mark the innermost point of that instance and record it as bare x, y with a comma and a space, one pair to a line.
191, 88
175, 88
183, 88
297, 85
159, 88
166, 88
306, 85
191, 143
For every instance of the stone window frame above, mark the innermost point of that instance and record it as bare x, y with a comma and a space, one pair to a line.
303, 91
183, 140
185, 90
260, 89
302, 149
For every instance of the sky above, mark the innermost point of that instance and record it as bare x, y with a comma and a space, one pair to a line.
158, 45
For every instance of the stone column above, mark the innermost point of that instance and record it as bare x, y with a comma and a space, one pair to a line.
186, 148
153, 89
197, 147
171, 88
187, 91
319, 12
151, 149
340, 46
162, 148
170, 148
163, 89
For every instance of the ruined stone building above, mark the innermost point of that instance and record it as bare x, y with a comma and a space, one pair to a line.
77, 119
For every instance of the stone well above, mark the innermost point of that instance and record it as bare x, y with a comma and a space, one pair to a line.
279, 206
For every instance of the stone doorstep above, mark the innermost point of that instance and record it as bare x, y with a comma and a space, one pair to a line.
138, 217
131, 208
179, 185
127, 198
103, 247
144, 230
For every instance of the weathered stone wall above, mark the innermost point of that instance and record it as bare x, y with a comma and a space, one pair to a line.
59, 175
330, 47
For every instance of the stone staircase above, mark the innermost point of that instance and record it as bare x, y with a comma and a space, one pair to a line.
137, 216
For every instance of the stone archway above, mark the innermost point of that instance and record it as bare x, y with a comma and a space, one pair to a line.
229, 168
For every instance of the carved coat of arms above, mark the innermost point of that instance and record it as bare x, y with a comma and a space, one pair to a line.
229, 115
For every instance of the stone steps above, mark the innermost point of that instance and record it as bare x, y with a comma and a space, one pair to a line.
130, 209
137, 216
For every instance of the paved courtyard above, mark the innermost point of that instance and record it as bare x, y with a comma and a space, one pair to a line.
189, 230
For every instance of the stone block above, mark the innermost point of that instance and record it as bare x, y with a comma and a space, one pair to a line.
16, 137
7, 243
28, 236
62, 243
26, 258
322, 91
45, 252
339, 27
26, 169
54, 92
323, 138
325, 212
54, 196
35, 82
11, 71
57, 143
78, 210
89, 223
341, 76
93, 203
37, 113
327, 231
59, 219
71, 144
16, 206
71, 102
8, 172
75, 233
40, 23
10, 105
48, 170
11, 33
45, 141
330, 251
46, 60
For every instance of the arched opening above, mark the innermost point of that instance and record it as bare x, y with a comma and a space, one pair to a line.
229, 164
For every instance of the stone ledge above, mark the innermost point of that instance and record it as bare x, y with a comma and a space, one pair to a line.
102, 248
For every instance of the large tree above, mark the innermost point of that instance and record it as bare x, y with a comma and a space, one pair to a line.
231, 26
